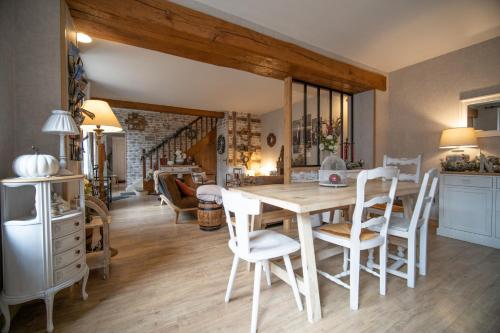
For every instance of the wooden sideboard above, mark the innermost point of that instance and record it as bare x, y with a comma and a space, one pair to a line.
469, 207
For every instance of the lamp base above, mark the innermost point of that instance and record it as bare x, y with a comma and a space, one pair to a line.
65, 172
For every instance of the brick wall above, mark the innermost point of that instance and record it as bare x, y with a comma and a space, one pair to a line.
159, 125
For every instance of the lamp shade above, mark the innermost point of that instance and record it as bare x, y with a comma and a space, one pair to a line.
103, 117
60, 122
464, 137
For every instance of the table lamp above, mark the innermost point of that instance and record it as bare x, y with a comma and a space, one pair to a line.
103, 120
61, 122
458, 138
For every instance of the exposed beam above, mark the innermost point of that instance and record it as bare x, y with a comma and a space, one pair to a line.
170, 28
114, 103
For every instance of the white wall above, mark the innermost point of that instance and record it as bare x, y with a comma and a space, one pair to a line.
424, 99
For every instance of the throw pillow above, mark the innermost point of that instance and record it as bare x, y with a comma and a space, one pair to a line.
185, 190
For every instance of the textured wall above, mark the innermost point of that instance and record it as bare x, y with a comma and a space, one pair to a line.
424, 99
7, 87
30, 76
272, 122
159, 126
364, 127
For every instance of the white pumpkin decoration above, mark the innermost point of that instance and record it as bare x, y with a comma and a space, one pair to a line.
36, 165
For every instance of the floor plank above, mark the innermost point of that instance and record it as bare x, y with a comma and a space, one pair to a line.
172, 278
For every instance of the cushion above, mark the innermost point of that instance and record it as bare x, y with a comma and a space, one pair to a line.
185, 190
344, 230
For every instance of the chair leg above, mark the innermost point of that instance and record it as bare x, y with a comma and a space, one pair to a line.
354, 278
371, 257
422, 266
256, 294
411, 262
176, 217
293, 282
383, 268
267, 270
346, 259
401, 251
232, 276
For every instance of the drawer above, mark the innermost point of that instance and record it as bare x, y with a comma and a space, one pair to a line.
472, 181
67, 242
69, 271
67, 257
498, 181
67, 227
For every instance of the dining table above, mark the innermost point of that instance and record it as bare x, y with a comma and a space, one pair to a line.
307, 199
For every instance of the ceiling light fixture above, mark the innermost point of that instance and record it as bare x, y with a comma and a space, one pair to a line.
83, 38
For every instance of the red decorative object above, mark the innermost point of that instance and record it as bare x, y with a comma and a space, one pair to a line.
185, 190
334, 178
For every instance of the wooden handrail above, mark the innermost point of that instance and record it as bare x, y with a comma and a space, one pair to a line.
201, 126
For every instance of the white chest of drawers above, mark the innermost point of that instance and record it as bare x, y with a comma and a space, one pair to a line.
469, 208
42, 254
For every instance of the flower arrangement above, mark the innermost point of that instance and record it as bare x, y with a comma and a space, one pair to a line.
329, 136
179, 156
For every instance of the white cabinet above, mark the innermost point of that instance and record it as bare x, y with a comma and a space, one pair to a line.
43, 251
469, 208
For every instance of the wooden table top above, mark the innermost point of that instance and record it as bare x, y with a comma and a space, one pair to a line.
309, 197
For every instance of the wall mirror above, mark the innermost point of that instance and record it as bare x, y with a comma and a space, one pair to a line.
483, 114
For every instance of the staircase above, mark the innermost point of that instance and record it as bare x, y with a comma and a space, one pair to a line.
185, 138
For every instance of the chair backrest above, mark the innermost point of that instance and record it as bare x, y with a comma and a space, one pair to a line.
361, 202
425, 199
244, 210
99, 206
403, 161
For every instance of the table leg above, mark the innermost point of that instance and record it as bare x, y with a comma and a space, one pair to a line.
310, 274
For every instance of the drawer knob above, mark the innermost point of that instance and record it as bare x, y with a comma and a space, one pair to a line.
77, 224
79, 266
78, 251
77, 238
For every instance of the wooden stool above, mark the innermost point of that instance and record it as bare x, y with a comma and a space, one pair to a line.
210, 215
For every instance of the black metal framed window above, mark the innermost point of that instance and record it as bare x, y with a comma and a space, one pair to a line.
313, 107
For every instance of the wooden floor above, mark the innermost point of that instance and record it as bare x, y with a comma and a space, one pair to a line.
172, 278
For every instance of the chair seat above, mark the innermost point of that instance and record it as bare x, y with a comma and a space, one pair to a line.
395, 208
344, 230
267, 244
341, 235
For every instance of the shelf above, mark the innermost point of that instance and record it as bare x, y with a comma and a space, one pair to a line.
66, 216
23, 221
40, 179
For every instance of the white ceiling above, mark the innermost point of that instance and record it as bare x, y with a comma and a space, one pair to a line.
124, 72
385, 35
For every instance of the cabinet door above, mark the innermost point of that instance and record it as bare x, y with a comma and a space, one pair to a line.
468, 209
497, 211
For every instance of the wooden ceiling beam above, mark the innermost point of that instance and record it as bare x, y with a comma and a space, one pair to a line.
115, 103
170, 28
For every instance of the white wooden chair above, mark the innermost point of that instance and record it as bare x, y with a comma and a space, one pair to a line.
255, 247
398, 209
356, 237
407, 229
100, 258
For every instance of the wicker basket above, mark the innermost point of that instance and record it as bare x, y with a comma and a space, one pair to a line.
210, 215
